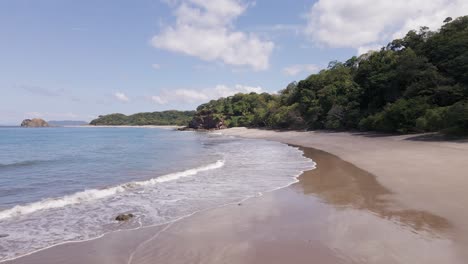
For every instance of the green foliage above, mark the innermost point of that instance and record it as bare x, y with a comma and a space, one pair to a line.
433, 120
417, 83
399, 116
170, 117
457, 119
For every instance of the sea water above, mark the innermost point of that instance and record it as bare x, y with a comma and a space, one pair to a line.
68, 184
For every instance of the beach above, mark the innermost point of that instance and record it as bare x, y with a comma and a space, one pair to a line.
422, 172
371, 199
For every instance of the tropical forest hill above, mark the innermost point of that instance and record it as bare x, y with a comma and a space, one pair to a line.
67, 123
170, 117
415, 84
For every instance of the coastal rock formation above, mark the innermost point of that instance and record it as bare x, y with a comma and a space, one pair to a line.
208, 121
124, 217
35, 122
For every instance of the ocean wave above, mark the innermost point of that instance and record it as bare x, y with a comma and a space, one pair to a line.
93, 194
24, 163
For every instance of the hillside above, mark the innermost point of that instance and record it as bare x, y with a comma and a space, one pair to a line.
171, 117
415, 84
67, 123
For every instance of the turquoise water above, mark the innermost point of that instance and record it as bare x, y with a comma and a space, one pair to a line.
68, 184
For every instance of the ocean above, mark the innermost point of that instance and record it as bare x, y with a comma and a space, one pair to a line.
59, 185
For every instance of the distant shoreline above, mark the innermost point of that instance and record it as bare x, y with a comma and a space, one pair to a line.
87, 126
145, 126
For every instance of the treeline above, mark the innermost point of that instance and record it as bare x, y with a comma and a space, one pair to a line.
415, 84
171, 117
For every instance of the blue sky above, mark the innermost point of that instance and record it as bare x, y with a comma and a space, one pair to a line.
74, 60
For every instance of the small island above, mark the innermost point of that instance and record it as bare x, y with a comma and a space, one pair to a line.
35, 122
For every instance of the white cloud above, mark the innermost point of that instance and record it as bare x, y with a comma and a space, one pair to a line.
156, 66
34, 114
49, 115
294, 70
202, 95
42, 91
121, 97
360, 23
204, 29
365, 49
158, 99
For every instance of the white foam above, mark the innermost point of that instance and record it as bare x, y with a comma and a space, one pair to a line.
174, 176
93, 194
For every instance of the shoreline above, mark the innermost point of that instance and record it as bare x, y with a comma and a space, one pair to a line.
421, 173
127, 126
297, 223
54, 250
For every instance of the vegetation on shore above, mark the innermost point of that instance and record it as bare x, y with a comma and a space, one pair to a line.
170, 117
415, 84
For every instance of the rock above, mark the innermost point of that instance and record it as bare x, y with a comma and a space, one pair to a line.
207, 120
124, 217
35, 122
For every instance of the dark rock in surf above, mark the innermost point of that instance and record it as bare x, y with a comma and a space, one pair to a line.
124, 217
207, 121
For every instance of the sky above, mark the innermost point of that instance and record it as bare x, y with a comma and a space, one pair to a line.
75, 60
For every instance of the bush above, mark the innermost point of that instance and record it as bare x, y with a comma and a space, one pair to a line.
457, 119
400, 116
433, 120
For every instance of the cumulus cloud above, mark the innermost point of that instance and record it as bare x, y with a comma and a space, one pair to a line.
202, 95
204, 29
294, 70
121, 97
158, 99
366, 23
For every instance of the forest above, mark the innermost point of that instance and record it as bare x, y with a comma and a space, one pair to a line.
415, 84
170, 117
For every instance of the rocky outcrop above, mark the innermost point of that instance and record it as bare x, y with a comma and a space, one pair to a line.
124, 217
207, 121
35, 122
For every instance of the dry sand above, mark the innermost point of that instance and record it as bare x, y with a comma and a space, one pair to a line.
412, 211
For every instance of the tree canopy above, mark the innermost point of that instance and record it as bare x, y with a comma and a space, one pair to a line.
171, 117
415, 84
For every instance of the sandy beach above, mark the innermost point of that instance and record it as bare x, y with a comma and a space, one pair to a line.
371, 199
422, 172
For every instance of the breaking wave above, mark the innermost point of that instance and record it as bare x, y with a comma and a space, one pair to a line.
93, 194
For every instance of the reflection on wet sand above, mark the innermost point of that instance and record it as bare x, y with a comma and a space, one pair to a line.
341, 183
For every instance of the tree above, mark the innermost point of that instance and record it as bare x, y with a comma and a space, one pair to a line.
416, 83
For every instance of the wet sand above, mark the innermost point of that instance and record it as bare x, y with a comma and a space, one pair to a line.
422, 172
336, 213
